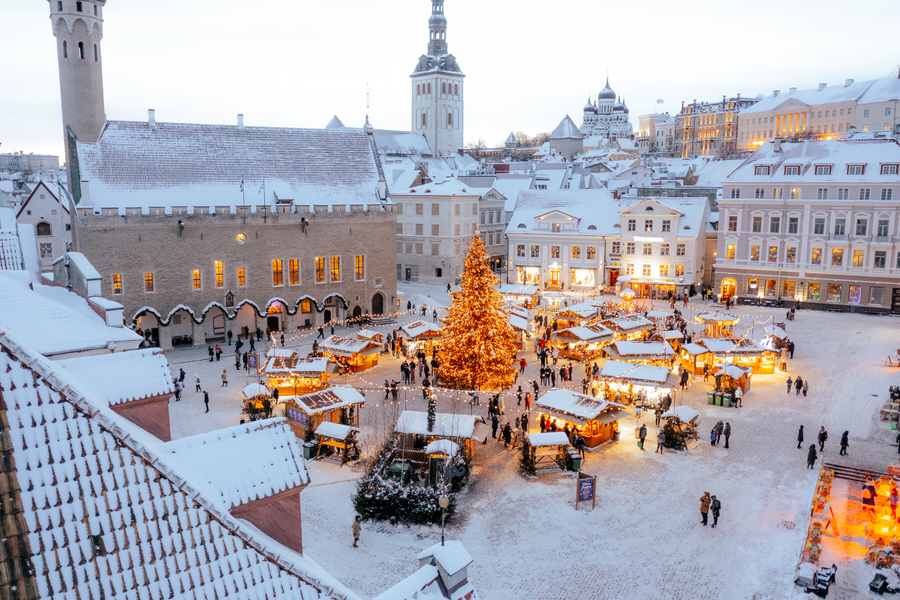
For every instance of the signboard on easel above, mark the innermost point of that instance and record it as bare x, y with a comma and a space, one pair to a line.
252, 362
586, 490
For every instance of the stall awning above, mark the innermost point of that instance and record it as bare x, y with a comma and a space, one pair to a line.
442, 447
550, 438
481, 432
611, 416
335, 431
562, 416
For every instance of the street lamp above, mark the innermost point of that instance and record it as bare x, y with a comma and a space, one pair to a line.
444, 502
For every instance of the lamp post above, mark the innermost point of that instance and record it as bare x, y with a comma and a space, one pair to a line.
444, 502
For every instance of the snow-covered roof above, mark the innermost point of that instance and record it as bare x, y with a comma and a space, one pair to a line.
634, 350
652, 374
344, 346
255, 389
776, 331
335, 123
163, 534
717, 318
334, 430
300, 366
715, 172
806, 154
582, 310
53, 320
421, 585
827, 95
122, 376
729, 346
514, 289
175, 164
596, 210
587, 333
451, 556
694, 349
549, 438
442, 447
368, 334
445, 425
281, 352
519, 322
10, 251
684, 413
573, 404
401, 143
421, 328
672, 334
334, 397
239, 464
628, 324
886, 89
510, 186
450, 186
566, 130
734, 371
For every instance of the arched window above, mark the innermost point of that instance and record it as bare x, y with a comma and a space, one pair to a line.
429, 87
449, 119
65, 49
81, 50
443, 88
456, 89
424, 119
419, 89
43, 229
96, 54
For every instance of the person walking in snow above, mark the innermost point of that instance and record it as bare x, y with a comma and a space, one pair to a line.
719, 428
643, 435
823, 437
206, 400
800, 437
282, 341
197, 381
811, 457
727, 433
211, 353
715, 506
181, 375
322, 332
507, 435
224, 378
356, 528
798, 384
790, 384
177, 391
805, 387
660, 441
495, 423
705, 501
230, 335
844, 443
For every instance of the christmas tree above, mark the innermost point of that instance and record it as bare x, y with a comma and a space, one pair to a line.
479, 343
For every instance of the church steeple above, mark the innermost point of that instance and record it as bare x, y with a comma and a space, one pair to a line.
437, 26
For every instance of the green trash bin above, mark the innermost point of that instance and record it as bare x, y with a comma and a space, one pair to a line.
309, 450
718, 398
726, 400
574, 458
710, 397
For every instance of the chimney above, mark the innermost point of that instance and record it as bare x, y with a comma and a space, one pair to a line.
151, 118
776, 92
452, 562
240, 121
777, 143
792, 90
848, 82
822, 86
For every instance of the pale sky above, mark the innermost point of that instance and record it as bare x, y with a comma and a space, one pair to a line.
295, 63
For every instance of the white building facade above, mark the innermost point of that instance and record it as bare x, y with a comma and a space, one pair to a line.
607, 117
815, 221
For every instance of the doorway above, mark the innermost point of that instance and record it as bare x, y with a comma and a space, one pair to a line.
408, 274
327, 315
729, 286
272, 323
554, 277
895, 301
377, 304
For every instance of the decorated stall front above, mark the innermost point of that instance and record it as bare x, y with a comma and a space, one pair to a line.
647, 353
351, 352
694, 356
684, 419
636, 383
741, 352
371, 335
594, 418
733, 377
581, 343
673, 336
340, 404
528, 294
294, 376
422, 335
337, 439
551, 452
629, 328
259, 402
574, 316
774, 338
464, 430
718, 325
521, 327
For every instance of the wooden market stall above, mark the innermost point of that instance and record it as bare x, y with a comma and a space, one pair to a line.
355, 353
775, 337
581, 343
718, 325
422, 335
371, 335
657, 316
439, 456
734, 376
673, 336
339, 404
594, 418
549, 451
687, 419
258, 402
629, 328
414, 435
295, 376
336, 436
647, 353
742, 352
528, 294
637, 381
694, 356
575, 315
521, 327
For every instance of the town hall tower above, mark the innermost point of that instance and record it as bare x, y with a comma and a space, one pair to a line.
437, 90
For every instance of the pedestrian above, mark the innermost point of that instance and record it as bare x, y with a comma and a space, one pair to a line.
727, 433
206, 400
522, 365
434, 316
507, 435
893, 499
237, 361
229, 337
252, 346
519, 396
660, 441
800, 437
844, 443
197, 381
805, 387
356, 528
275, 393
705, 501
495, 423
544, 424
245, 359
282, 341
705, 371
524, 422
218, 352
823, 437
643, 435
580, 444
448, 288
798, 384
811, 457
712, 437
738, 395
181, 375
790, 384
332, 327
719, 428
258, 334
321, 332
527, 401
224, 378
791, 347
211, 353
684, 379
177, 390
658, 414
715, 506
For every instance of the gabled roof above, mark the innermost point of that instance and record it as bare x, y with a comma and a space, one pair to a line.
641, 208
451, 186
122, 376
42, 186
566, 130
595, 207
401, 143
811, 97
334, 123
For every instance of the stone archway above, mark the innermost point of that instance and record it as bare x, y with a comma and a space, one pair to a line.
378, 304
357, 311
729, 287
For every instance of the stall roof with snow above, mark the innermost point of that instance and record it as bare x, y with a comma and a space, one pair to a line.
628, 324
303, 367
445, 425
420, 330
720, 346
671, 334
648, 375
335, 431
122, 376
255, 389
588, 334
329, 399
281, 352
442, 447
717, 318
511, 289
694, 349
549, 438
624, 350
578, 311
345, 346
684, 413
574, 407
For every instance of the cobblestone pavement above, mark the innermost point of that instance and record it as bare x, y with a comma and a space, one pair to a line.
644, 539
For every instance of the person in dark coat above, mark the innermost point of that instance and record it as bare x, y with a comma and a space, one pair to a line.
798, 385
206, 400
790, 384
800, 437
715, 506
660, 441
844, 443
211, 353
524, 422
181, 375
275, 393
811, 457
727, 433
495, 423
507, 435
643, 435
543, 424
823, 437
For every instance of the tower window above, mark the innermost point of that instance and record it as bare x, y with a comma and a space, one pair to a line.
96, 54
456, 89
59, 5
429, 87
443, 88
81, 50
96, 10
418, 89
65, 49
449, 119
424, 119
78, 7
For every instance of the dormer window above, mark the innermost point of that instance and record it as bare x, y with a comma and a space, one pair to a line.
823, 169
792, 170
761, 170
521, 226
856, 169
888, 169
592, 228
555, 227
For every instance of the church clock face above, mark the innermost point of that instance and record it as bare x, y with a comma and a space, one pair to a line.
240, 238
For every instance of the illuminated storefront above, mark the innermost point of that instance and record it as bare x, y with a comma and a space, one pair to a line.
583, 277
528, 275
595, 419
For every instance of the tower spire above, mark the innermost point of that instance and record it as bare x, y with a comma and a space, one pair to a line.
437, 26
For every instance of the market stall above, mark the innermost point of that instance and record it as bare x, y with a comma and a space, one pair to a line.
422, 335
294, 376
371, 335
718, 325
629, 328
581, 343
439, 456
595, 419
774, 337
464, 430
735, 377
575, 315
741, 352
647, 353
636, 382
340, 404
530, 294
657, 316
550, 450
335, 436
522, 328
673, 336
686, 420
259, 403
351, 352
694, 356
